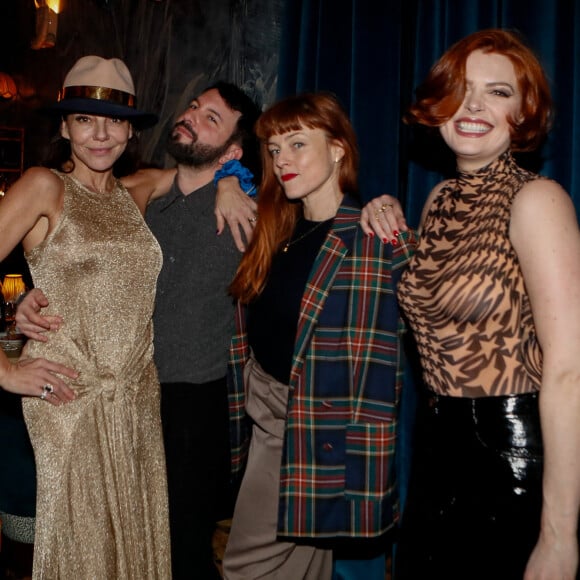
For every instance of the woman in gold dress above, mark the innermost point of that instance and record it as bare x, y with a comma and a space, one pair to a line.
102, 499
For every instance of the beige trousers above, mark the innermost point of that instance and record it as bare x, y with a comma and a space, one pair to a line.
253, 551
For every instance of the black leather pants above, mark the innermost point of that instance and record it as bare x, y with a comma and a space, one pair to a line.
474, 499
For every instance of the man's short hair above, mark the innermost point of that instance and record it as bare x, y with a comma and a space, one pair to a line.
237, 100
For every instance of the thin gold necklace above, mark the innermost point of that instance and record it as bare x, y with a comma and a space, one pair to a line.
291, 242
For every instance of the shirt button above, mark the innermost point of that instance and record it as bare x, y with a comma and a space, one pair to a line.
328, 447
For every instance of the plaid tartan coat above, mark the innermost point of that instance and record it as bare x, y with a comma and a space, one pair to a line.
337, 472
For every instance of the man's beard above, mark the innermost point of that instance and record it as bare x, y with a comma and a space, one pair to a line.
194, 154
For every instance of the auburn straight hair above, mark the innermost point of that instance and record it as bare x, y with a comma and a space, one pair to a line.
277, 216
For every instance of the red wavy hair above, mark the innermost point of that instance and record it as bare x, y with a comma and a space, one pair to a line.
278, 215
443, 91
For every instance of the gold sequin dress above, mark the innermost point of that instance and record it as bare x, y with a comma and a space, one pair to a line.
102, 494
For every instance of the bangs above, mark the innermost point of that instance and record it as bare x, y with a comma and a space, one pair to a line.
287, 116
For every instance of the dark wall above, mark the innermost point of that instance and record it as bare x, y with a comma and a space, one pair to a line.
172, 47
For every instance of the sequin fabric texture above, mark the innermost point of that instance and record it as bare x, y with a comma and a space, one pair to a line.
102, 494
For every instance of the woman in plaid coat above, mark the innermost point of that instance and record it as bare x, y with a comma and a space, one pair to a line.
315, 363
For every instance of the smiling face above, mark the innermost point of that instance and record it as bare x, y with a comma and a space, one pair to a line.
96, 142
480, 131
306, 165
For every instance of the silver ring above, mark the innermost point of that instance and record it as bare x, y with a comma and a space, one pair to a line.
253, 220
47, 389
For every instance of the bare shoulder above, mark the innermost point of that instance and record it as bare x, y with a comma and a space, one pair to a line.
30, 208
541, 200
541, 188
147, 184
543, 215
40, 176
38, 185
141, 178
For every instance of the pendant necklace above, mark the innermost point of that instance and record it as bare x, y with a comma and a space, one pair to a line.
291, 242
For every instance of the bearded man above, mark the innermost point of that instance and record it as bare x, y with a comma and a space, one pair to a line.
194, 319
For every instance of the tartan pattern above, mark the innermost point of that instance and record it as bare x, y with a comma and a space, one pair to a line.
337, 473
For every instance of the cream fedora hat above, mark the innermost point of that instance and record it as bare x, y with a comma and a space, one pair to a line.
104, 87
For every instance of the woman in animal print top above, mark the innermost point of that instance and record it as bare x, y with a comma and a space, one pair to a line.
493, 299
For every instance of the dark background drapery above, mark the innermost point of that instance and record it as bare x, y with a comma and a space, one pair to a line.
373, 55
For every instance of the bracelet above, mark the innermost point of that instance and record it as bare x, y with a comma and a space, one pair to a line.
244, 175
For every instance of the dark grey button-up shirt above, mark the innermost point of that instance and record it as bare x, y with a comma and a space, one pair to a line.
193, 318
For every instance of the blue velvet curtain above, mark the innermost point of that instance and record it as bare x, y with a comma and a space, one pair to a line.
373, 53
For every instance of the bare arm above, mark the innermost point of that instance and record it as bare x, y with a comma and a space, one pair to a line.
550, 263
147, 184
28, 213
236, 208
29, 210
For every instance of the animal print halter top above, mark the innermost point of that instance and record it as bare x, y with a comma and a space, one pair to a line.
463, 293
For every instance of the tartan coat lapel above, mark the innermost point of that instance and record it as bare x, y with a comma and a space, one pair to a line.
324, 270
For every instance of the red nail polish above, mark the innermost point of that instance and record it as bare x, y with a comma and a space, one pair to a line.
385, 241
394, 242
371, 235
396, 233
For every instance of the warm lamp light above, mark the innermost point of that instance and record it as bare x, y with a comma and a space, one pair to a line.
46, 23
8, 88
54, 5
12, 287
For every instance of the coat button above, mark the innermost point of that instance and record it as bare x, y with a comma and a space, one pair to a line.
327, 447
